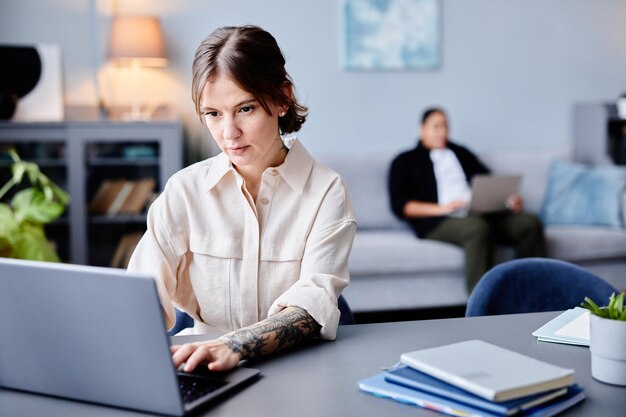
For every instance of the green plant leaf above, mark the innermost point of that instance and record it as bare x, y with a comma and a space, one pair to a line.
619, 305
7, 221
33, 172
32, 244
60, 194
6, 248
31, 205
21, 224
590, 305
611, 308
18, 169
614, 310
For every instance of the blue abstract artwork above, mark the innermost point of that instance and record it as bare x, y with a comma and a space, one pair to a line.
392, 34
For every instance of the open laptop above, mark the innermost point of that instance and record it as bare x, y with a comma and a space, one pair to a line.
95, 334
489, 193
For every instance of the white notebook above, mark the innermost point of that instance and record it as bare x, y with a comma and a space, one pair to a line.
488, 371
570, 327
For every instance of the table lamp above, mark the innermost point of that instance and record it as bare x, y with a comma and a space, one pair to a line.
136, 41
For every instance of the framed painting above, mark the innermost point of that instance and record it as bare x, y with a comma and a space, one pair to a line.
391, 34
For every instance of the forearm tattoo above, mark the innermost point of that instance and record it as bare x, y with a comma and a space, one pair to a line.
287, 328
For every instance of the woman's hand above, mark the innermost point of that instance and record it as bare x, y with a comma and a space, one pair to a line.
214, 353
286, 328
514, 203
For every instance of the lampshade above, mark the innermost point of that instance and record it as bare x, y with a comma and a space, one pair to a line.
135, 38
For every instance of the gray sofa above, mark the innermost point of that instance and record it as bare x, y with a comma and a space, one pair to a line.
391, 269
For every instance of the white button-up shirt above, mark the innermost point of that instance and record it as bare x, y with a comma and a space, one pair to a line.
230, 264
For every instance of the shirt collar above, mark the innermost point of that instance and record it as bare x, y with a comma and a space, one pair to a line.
295, 170
219, 168
297, 166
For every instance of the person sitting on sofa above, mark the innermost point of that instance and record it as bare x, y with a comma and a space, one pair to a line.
430, 182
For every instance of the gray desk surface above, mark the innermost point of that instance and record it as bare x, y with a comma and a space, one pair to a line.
320, 379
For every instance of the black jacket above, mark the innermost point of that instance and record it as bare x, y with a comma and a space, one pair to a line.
412, 177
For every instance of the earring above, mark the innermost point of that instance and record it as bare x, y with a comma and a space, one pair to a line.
281, 114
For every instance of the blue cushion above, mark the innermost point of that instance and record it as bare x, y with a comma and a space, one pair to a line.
581, 195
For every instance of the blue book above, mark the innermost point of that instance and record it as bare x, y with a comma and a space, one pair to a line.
378, 386
412, 378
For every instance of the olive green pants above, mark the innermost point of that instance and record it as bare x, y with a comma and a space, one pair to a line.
478, 234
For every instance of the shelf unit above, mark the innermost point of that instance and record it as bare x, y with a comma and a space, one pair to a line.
80, 153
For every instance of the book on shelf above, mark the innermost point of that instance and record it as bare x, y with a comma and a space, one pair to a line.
412, 378
489, 371
120, 196
124, 250
379, 386
104, 196
135, 202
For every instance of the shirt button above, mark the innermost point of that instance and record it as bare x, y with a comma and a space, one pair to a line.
264, 200
274, 172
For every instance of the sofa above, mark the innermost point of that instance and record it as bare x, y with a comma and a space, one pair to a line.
391, 269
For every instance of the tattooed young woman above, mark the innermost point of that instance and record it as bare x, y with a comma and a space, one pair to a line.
254, 241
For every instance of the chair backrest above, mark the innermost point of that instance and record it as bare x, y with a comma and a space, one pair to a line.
534, 285
183, 320
346, 316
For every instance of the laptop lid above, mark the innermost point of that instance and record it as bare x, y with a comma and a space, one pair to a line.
490, 192
89, 333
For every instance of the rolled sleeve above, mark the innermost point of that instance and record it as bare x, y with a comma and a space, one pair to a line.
324, 269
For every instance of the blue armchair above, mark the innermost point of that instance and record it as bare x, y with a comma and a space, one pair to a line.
534, 285
183, 320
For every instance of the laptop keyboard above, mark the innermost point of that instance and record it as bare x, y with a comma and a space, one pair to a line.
193, 387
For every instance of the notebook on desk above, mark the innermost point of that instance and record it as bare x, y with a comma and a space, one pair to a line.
97, 335
487, 370
570, 327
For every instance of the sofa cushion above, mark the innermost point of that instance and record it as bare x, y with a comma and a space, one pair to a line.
585, 243
400, 252
581, 195
365, 176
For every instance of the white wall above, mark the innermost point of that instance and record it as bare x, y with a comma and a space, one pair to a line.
510, 72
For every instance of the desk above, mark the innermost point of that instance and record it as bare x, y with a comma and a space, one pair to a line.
320, 380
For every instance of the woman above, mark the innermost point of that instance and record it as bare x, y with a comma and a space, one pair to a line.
428, 184
255, 240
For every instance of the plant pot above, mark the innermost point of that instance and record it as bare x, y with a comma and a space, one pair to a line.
608, 352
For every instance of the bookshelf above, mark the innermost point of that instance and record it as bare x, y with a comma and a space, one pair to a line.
83, 152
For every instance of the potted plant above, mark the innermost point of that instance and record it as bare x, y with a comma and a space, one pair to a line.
22, 220
608, 340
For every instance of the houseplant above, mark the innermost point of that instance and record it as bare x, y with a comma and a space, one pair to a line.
608, 339
22, 221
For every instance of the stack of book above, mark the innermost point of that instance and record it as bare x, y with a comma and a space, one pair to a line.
121, 196
475, 378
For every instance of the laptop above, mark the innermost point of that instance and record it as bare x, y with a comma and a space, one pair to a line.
489, 194
97, 335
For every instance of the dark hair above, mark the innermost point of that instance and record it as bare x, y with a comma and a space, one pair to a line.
430, 111
251, 57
